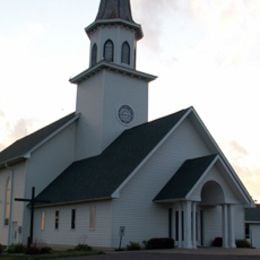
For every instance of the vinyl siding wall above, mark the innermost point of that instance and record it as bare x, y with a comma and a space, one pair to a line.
17, 190
135, 209
82, 234
47, 162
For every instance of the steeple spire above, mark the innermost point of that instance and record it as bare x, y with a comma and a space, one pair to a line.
115, 9
115, 12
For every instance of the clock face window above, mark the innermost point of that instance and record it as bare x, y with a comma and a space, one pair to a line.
126, 114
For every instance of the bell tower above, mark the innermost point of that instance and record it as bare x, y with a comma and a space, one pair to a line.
112, 95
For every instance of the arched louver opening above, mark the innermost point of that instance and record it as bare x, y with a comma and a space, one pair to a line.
109, 51
94, 55
125, 54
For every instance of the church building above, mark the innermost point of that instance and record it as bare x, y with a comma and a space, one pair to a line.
105, 170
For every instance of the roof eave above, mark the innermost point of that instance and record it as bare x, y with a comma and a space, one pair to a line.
65, 203
134, 26
13, 161
112, 67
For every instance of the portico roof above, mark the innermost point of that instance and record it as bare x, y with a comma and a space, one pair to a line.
185, 178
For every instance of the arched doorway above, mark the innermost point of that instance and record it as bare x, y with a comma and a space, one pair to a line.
210, 220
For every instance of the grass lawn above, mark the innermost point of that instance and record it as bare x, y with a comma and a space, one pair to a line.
53, 255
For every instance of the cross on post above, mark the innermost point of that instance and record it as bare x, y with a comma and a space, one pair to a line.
32, 201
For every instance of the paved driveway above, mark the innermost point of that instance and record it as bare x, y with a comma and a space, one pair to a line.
179, 255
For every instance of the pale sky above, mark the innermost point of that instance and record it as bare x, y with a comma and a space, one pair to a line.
205, 52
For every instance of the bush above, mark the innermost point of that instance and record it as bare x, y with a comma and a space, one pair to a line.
16, 249
242, 243
83, 247
160, 243
1, 249
217, 242
133, 246
35, 250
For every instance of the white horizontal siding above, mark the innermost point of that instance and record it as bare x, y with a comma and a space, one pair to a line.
212, 220
18, 180
99, 237
135, 209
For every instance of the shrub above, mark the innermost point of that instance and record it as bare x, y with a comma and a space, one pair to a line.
46, 250
160, 243
1, 249
242, 243
217, 242
133, 246
33, 250
16, 249
83, 247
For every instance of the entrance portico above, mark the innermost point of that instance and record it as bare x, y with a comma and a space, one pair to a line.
202, 206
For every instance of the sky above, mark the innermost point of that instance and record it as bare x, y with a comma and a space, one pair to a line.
206, 54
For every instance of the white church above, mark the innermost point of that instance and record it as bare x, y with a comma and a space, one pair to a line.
105, 169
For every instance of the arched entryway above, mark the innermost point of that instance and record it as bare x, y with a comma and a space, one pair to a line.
215, 218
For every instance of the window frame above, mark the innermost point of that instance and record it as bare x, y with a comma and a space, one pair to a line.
73, 219
94, 53
107, 50
42, 221
126, 53
7, 206
92, 218
57, 220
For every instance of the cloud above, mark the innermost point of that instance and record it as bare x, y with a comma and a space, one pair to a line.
11, 132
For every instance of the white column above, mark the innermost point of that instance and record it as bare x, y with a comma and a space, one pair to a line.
225, 225
180, 226
231, 227
194, 225
187, 224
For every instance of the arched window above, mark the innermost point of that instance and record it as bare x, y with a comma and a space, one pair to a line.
7, 201
94, 55
125, 53
108, 51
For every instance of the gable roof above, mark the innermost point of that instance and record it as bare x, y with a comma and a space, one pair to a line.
18, 150
185, 178
252, 214
98, 177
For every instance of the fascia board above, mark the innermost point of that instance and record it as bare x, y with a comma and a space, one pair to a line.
231, 169
113, 67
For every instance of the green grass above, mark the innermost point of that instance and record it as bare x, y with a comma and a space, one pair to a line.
57, 255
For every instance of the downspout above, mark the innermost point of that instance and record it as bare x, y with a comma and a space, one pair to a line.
11, 205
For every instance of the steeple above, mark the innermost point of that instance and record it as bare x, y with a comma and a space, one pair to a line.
112, 95
115, 12
115, 9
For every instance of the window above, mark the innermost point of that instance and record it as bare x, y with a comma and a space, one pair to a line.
125, 53
7, 201
94, 55
57, 219
43, 221
73, 219
108, 51
92, 217
177, 225
247, 231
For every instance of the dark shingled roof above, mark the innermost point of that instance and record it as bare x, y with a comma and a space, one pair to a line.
115, 9
98, 177
252, 214
24, 145
185, 178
